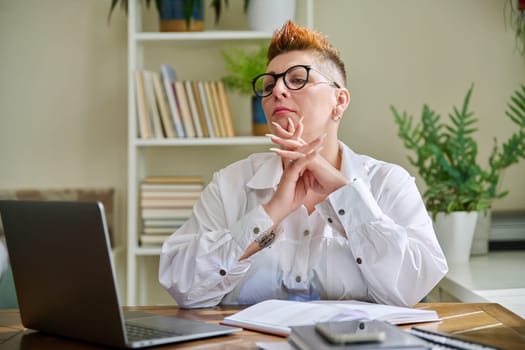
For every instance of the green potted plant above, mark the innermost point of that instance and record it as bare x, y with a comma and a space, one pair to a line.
446, 157
180, 15
242, 66
217, 7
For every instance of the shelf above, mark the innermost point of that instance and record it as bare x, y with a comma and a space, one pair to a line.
147, 251
205, 35
205, 141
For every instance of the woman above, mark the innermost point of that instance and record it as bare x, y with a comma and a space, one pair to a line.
313, 219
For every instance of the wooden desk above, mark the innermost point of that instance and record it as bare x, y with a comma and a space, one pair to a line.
486, 323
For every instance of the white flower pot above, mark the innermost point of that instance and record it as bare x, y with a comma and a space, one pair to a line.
454, 232
269, 15
480, 241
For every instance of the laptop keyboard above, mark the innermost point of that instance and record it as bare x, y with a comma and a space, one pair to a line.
136, 333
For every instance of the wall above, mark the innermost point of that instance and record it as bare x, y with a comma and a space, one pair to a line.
62, 96
411, 52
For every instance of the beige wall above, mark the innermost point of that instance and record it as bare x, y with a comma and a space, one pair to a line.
62, 96
63, 82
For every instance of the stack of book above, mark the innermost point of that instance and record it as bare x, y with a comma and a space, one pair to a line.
171, 108
166, 203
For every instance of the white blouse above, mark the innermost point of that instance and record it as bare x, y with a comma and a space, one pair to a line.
370, 240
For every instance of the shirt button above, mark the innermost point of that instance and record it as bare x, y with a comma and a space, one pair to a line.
306, 232
298, 279
330, 220
222, 272
341, 212
359, 261
256, 230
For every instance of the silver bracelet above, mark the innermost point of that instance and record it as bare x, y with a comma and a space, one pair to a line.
265, 239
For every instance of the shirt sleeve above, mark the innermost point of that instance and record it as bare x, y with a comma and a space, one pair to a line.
391, 236
199, 264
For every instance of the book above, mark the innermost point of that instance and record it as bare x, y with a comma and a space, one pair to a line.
173, 179
218, 110
153, 109
170, 187
142, 107
164, 222
168, 78
226, 109
167, 202
160, 96
277, 316
148, 230
188, 89
354, 335
206, 108
200, 108
145, 194
184, 108
214, 112
153, 239
440, 340
174, 213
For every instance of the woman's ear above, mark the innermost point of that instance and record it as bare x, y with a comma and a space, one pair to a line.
342, 101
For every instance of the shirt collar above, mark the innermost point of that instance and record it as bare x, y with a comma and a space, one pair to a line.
353, 165
269, 173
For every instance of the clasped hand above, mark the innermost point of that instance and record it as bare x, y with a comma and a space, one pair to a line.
306, 174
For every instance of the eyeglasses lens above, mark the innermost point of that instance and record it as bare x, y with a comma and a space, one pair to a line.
295, 78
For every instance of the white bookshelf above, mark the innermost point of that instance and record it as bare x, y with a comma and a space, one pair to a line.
140, 149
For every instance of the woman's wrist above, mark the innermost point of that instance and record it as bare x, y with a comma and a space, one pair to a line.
273, 211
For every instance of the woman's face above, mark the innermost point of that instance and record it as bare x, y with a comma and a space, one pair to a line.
316, 101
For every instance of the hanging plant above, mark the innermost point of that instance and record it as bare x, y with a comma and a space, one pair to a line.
516, 18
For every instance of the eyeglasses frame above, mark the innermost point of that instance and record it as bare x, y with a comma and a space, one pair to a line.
281, 75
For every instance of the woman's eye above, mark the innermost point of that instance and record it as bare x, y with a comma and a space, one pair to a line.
268, 87
298, 81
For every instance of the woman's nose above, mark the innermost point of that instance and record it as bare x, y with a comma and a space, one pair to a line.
279, 87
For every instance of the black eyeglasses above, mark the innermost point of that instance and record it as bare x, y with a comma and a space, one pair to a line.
295, 78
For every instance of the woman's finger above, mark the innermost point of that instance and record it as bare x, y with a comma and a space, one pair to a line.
309, 151
281, 132
286, 143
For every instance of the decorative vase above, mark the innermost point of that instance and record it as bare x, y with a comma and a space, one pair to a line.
259, 123
172, 17
269, 15
454, 232
480, 241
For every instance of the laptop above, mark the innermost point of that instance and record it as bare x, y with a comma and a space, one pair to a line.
65, 282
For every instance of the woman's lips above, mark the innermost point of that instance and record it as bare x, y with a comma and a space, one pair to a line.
281, 110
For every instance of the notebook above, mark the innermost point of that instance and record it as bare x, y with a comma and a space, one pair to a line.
354, 335
64, 278
277, 316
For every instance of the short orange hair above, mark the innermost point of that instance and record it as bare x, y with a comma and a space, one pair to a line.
291, 37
